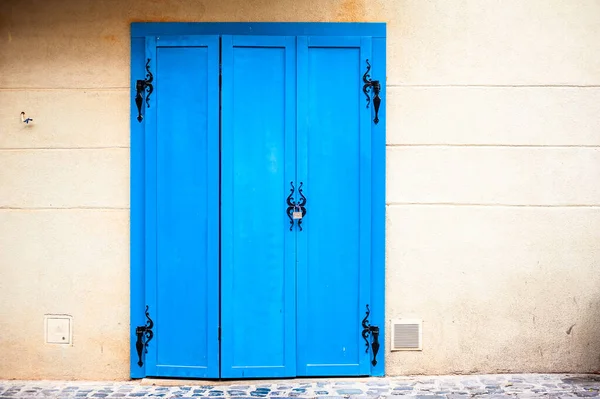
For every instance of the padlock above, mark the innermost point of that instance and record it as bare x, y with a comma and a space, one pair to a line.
297, 214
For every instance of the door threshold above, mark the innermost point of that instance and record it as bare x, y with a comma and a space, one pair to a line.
167, 382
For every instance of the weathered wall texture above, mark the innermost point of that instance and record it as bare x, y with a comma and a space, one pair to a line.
493, 218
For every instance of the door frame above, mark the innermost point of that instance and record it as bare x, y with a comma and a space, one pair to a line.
139, 32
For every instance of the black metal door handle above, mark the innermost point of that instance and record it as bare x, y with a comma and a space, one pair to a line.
291, 203
302, 205
294, 206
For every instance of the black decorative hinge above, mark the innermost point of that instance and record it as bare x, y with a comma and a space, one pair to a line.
368, 329
376, 86
144, 86
294, 209
142, 332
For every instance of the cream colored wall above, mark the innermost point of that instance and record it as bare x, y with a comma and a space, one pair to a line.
493, 221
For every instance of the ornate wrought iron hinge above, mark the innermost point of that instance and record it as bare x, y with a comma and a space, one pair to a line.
296, 207
376, 86
368, 329
144, 86
142, 332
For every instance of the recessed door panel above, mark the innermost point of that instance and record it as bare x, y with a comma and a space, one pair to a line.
182, 215
334, 164
258, 162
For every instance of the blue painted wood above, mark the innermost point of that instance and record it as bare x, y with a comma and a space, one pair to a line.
343, 41
150, 208
141, 29
258, 164
137, 299
378, 208
139, 184
334, 250
182, 207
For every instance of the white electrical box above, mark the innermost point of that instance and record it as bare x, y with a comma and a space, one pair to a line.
59, 329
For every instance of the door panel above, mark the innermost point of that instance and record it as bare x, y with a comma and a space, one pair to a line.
334, 163
258, 162
183, 215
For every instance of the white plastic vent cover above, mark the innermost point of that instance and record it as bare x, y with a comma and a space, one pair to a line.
407, 335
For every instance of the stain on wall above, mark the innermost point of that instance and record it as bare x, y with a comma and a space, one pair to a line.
351, 11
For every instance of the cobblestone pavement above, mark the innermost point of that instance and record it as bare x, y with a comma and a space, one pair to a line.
439, 387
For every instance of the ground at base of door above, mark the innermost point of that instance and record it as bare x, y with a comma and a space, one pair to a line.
423, 387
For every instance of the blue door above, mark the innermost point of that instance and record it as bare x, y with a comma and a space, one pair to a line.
334, 165
182, 207
258, 289
258, 206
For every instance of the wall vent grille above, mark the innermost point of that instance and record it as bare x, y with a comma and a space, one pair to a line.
407, 335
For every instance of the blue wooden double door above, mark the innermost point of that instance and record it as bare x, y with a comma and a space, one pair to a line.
258, 206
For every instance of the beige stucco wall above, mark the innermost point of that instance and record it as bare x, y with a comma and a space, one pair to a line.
493, 163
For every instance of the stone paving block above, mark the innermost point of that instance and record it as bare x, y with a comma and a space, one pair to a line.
377, 383
587, 394
349, 391
234, 392
403, 388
